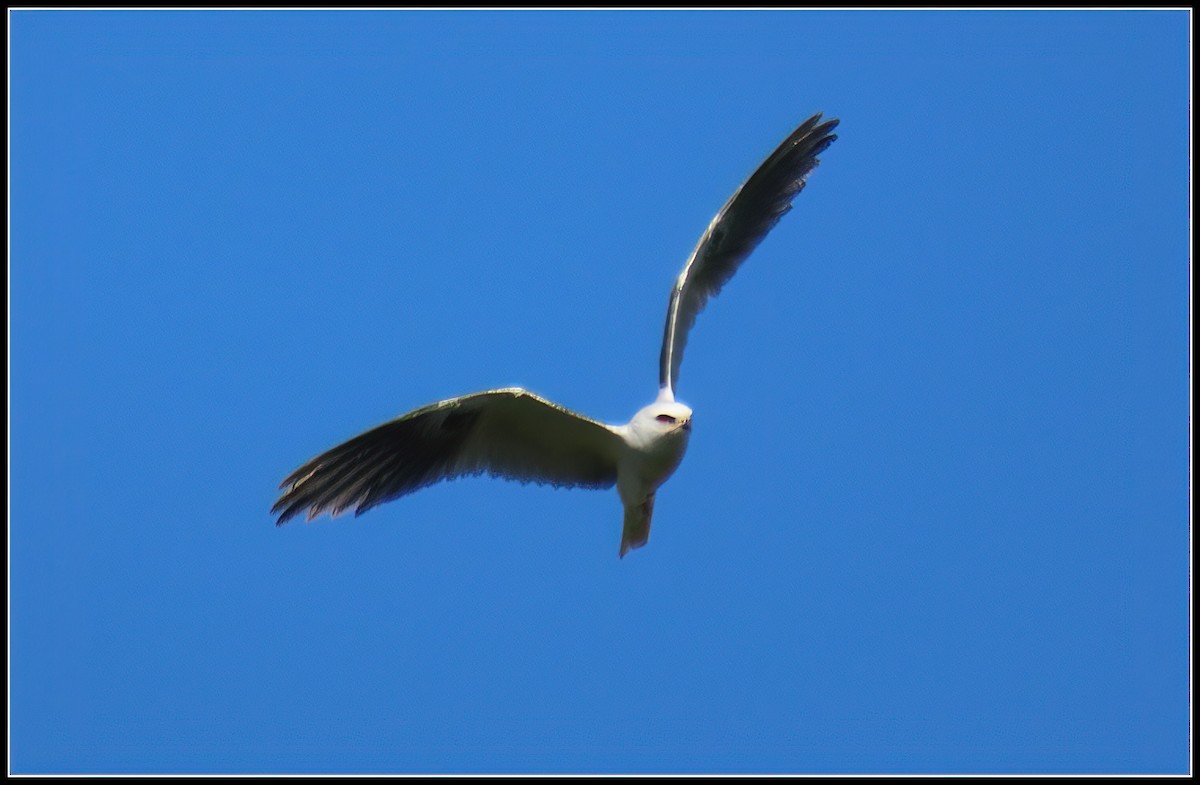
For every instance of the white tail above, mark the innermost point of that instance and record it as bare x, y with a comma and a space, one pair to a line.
637, 525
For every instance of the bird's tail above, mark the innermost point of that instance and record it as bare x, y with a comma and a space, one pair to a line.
637, 525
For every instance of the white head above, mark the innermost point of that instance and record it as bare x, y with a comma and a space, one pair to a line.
661, 421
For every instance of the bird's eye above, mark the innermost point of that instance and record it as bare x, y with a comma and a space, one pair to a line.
665, 418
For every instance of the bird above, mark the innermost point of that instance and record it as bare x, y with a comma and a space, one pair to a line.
515, 434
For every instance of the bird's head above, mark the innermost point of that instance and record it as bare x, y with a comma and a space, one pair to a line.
663, 419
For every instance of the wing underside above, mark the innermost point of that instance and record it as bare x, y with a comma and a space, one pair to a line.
737, 229
507, 433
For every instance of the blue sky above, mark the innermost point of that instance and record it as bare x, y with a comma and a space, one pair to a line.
934, 516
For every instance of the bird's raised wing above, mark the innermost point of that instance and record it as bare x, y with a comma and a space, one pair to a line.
742, 223
508, 433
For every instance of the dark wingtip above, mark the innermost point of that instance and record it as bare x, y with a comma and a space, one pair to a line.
285, 516
820, 136
822, 145
818, 130
287, 509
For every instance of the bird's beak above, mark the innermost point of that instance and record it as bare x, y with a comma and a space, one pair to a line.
687, 424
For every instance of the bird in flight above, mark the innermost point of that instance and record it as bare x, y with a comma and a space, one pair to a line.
515, 434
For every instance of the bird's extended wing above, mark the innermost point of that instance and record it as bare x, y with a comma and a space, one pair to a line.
750, 213
507, 433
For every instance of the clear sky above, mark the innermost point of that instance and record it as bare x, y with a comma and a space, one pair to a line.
934, 516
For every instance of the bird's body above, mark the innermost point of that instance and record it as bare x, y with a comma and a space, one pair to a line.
654, 443
515, 434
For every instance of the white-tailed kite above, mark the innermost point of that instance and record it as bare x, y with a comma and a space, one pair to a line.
515, 434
